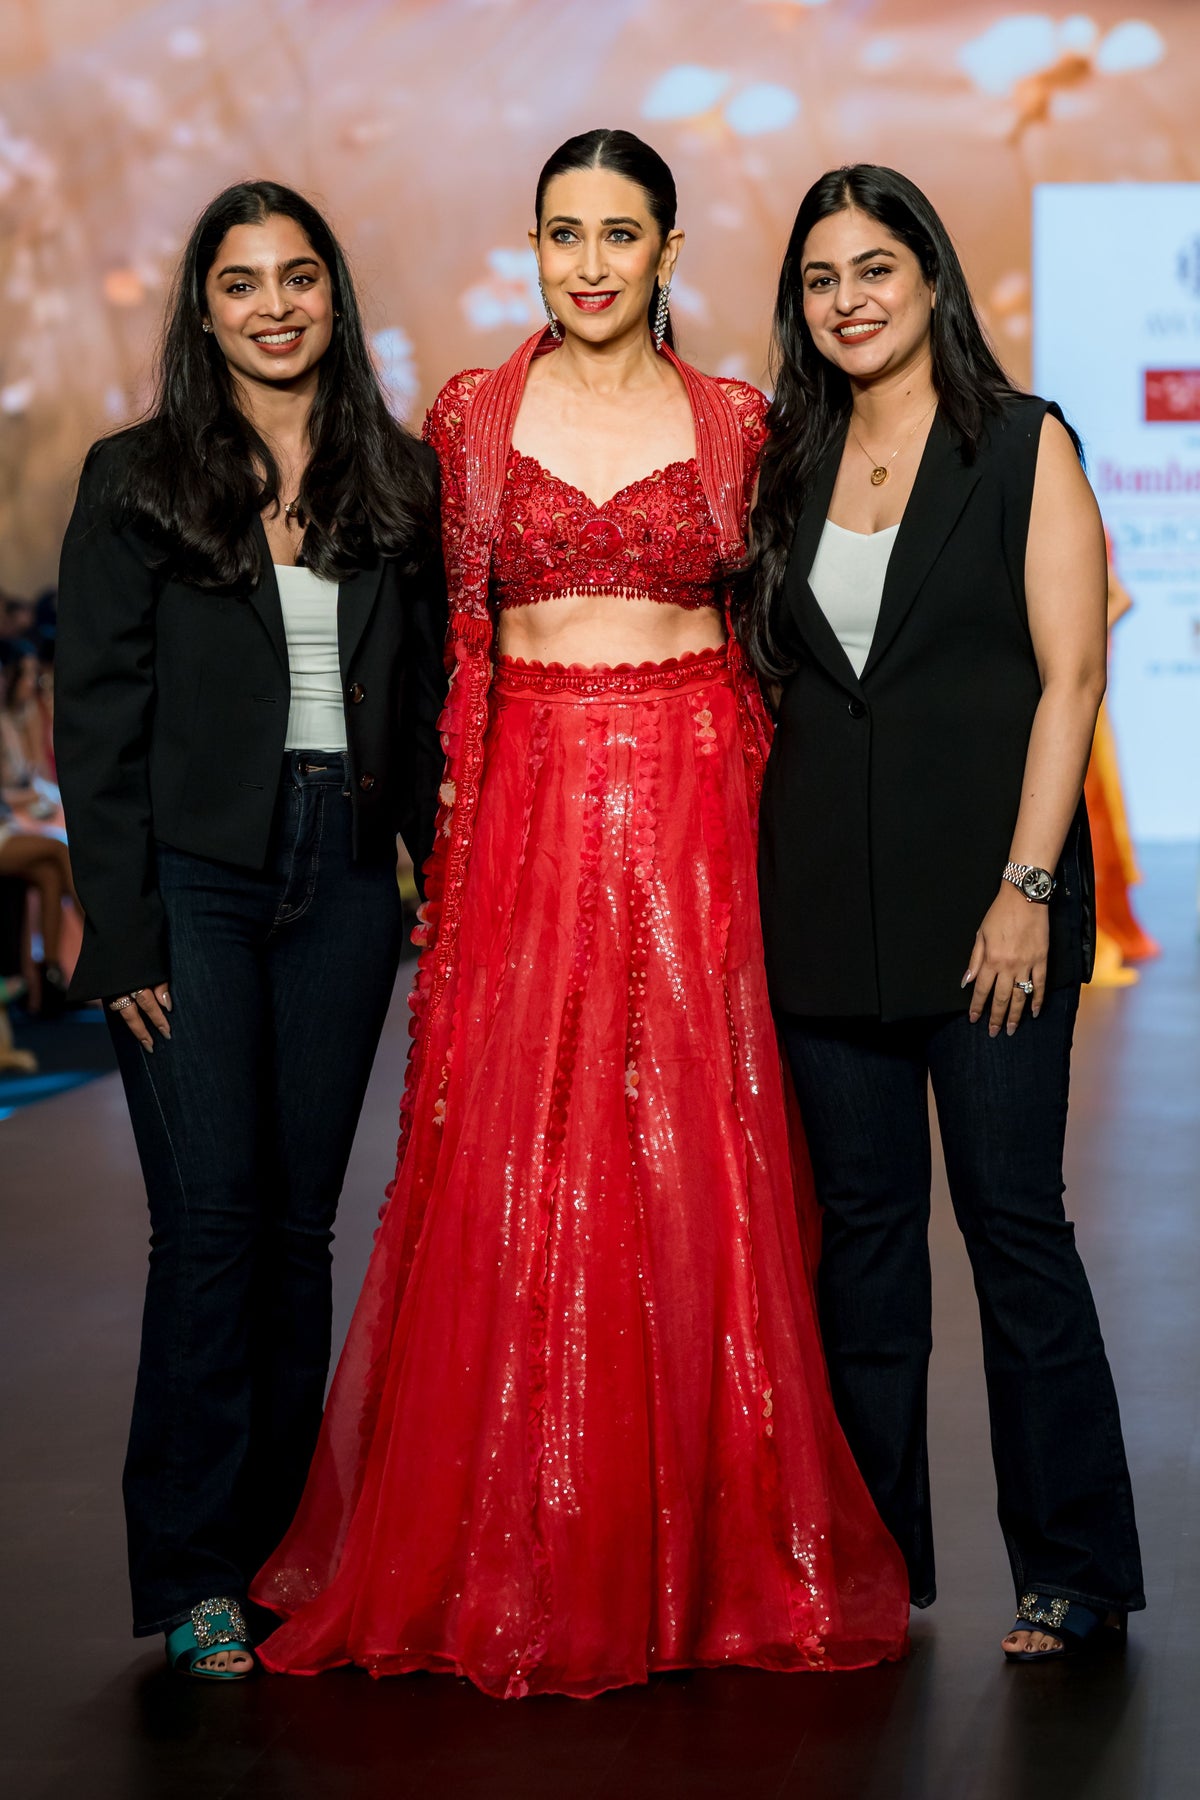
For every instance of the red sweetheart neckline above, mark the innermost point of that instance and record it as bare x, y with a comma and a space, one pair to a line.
599, 506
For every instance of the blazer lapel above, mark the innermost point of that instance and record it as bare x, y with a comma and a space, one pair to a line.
356, 603
944, 482
818, 634
265, 598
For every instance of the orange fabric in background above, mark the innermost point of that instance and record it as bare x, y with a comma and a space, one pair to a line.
1116, 867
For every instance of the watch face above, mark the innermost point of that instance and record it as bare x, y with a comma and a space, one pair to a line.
1038, 884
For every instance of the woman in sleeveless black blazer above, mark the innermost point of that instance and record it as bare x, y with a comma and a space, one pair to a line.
926, 872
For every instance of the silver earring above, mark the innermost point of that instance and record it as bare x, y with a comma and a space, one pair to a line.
660, 315
555, 327
206, 324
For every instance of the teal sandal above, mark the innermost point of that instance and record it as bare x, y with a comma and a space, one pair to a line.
214, 1625
1077, 1628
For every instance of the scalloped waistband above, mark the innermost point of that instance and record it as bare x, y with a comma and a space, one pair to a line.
596, 680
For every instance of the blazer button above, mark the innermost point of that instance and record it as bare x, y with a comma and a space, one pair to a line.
358, 694
857, 709
366, 783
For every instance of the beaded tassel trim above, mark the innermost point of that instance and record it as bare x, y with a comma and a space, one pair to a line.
1033, 1610
219, 1622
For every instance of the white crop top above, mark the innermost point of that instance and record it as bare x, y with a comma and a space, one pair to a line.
316, 715
847, 579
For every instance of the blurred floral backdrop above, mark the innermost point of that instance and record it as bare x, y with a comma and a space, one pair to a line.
421, 124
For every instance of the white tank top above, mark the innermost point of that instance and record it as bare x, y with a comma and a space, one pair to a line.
316, 716
847, 579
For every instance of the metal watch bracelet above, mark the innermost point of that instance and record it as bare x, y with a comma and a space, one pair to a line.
1036, 884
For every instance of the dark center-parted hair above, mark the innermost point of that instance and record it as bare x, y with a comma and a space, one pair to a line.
200, 473
812, 398
623, 154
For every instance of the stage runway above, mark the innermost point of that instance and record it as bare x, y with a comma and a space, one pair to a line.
89, 1712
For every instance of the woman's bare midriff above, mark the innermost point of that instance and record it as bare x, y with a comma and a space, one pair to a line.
607, 628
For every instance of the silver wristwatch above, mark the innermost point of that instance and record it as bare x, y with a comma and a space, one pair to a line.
1037, 885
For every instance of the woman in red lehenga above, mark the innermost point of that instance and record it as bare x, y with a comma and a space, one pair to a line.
581, 1429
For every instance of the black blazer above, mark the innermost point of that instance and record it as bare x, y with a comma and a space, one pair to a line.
889, 801
171, 707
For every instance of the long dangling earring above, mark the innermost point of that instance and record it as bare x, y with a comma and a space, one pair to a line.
660, 315
555, 327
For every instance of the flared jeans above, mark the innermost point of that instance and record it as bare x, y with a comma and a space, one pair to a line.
280, 981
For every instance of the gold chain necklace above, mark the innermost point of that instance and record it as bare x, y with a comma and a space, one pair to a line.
881, 471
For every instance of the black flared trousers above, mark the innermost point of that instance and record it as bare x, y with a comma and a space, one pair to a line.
1064, 1497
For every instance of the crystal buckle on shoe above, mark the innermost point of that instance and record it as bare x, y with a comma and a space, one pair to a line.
1033, 1610
217, 1623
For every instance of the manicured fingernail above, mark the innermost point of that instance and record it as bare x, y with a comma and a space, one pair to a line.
993, 1031
1036, 1011
965, 979
164, 1031
1012, 1026
149, 1049
164, 1000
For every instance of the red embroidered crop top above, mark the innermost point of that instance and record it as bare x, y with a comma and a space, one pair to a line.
653, 540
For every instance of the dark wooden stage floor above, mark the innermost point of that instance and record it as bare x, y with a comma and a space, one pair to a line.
88, 1712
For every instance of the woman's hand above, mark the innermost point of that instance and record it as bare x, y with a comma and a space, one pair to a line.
141, 1005
1010, 947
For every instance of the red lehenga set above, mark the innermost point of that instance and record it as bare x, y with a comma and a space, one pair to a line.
581, 1429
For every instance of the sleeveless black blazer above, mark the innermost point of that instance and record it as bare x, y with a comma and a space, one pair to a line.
890, 800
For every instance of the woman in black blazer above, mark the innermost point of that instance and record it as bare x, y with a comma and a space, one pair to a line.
931, 600
251, 618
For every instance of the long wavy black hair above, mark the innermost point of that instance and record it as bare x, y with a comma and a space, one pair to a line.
812, 398
199, 473
624, 154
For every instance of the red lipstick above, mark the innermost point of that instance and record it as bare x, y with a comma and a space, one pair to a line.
593, 302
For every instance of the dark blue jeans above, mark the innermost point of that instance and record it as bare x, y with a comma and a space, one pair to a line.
1065, 1505
280, 982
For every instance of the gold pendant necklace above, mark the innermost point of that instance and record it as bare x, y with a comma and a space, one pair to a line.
881, 471
291, 509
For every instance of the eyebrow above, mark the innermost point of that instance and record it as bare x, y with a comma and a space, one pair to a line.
564, 219
864, 256
294, 262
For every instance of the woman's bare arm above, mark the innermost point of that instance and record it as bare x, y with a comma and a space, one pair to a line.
1066, 585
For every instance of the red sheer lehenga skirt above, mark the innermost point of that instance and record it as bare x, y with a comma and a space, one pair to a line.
581, 1429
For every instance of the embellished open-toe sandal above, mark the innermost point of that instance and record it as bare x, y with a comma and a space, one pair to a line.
1076, 1627
214, 1625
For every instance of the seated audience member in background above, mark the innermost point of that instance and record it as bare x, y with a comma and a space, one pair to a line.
31, 844
23, 737
249, 673
17, 617
45, 638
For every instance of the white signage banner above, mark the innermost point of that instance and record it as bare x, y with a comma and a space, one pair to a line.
1116, 285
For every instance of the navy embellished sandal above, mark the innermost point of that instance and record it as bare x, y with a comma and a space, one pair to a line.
214, 1625
1076, 1627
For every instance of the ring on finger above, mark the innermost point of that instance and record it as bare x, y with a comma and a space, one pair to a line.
120, 1005
1026, 987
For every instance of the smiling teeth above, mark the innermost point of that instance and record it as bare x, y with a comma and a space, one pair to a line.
276, 337
859, 330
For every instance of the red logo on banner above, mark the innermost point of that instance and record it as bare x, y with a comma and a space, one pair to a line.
1172, 396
